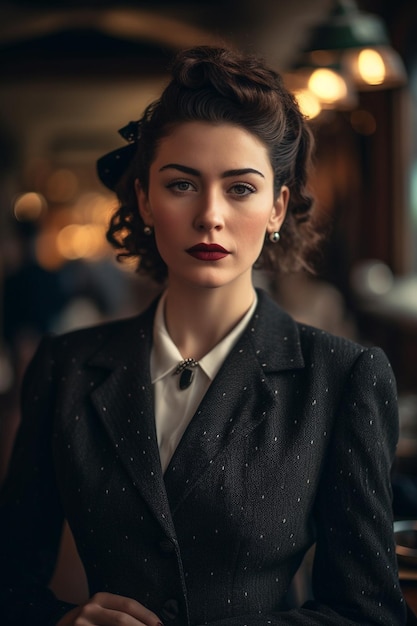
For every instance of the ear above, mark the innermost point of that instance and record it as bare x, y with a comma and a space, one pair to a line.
279, 210
143, 204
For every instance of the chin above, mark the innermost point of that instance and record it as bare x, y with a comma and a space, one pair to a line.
209, 284
218, 280
211, 279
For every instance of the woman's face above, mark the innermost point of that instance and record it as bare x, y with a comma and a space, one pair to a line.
211, 203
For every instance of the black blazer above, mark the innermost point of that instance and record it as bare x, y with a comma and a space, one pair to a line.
292, 444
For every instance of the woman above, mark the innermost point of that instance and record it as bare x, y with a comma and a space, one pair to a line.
200, 449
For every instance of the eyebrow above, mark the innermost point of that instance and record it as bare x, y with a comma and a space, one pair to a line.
193, 172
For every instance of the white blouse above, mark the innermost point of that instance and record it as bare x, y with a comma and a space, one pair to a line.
174, 407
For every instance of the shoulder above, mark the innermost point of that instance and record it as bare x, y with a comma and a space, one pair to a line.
99, 333
319, 349
334, 350
276, 323
116, 338
321, 342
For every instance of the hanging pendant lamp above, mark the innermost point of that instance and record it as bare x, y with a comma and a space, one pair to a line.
358, 43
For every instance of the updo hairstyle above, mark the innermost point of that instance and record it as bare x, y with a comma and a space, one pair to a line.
222, 86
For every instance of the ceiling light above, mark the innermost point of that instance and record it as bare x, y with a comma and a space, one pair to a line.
327, 86
358, 42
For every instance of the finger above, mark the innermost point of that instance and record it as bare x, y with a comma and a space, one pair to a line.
125, 605
95, 615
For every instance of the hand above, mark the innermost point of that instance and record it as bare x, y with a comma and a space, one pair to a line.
109, 609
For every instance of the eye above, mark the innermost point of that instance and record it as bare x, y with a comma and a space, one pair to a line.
181, 186
242, 189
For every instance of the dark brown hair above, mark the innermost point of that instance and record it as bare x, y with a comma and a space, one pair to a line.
222, 86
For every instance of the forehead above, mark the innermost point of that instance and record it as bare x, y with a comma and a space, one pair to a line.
207, 141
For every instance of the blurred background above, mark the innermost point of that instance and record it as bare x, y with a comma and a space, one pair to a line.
72, 73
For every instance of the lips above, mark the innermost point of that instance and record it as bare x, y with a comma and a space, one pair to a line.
208, 252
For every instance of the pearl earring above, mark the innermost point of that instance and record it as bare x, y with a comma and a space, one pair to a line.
274, 237
147, 230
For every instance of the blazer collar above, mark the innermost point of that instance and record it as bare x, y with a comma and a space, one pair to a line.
246, 389
275, 336
124, 402
273, 333
232, 407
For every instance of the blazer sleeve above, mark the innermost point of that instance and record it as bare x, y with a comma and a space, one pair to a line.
355, 578
355, 567
31, 516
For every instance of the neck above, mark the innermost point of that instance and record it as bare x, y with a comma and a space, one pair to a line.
197, 319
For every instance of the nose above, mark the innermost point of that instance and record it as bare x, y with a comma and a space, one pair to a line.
210, 215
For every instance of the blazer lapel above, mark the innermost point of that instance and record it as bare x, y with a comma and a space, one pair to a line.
247, 387
124, 402
241, 396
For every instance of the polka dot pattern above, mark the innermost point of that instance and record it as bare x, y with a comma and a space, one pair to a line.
291, 446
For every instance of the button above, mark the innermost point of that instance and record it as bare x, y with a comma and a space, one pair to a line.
170, 609
166, 546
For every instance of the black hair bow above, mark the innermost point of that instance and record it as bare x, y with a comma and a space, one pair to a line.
113, 165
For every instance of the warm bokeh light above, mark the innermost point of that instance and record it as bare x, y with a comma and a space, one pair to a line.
61, 186
371, 67
46, 251
321, 88
29, 207
95, 207
77, 241
308, 103
327, 85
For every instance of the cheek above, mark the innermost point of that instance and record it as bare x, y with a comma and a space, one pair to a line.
252, 231
167, 234
163, 218
167, 226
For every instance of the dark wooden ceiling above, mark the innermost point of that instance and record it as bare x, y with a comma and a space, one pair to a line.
64, 37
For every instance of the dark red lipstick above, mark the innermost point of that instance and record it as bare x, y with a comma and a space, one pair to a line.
208, 252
